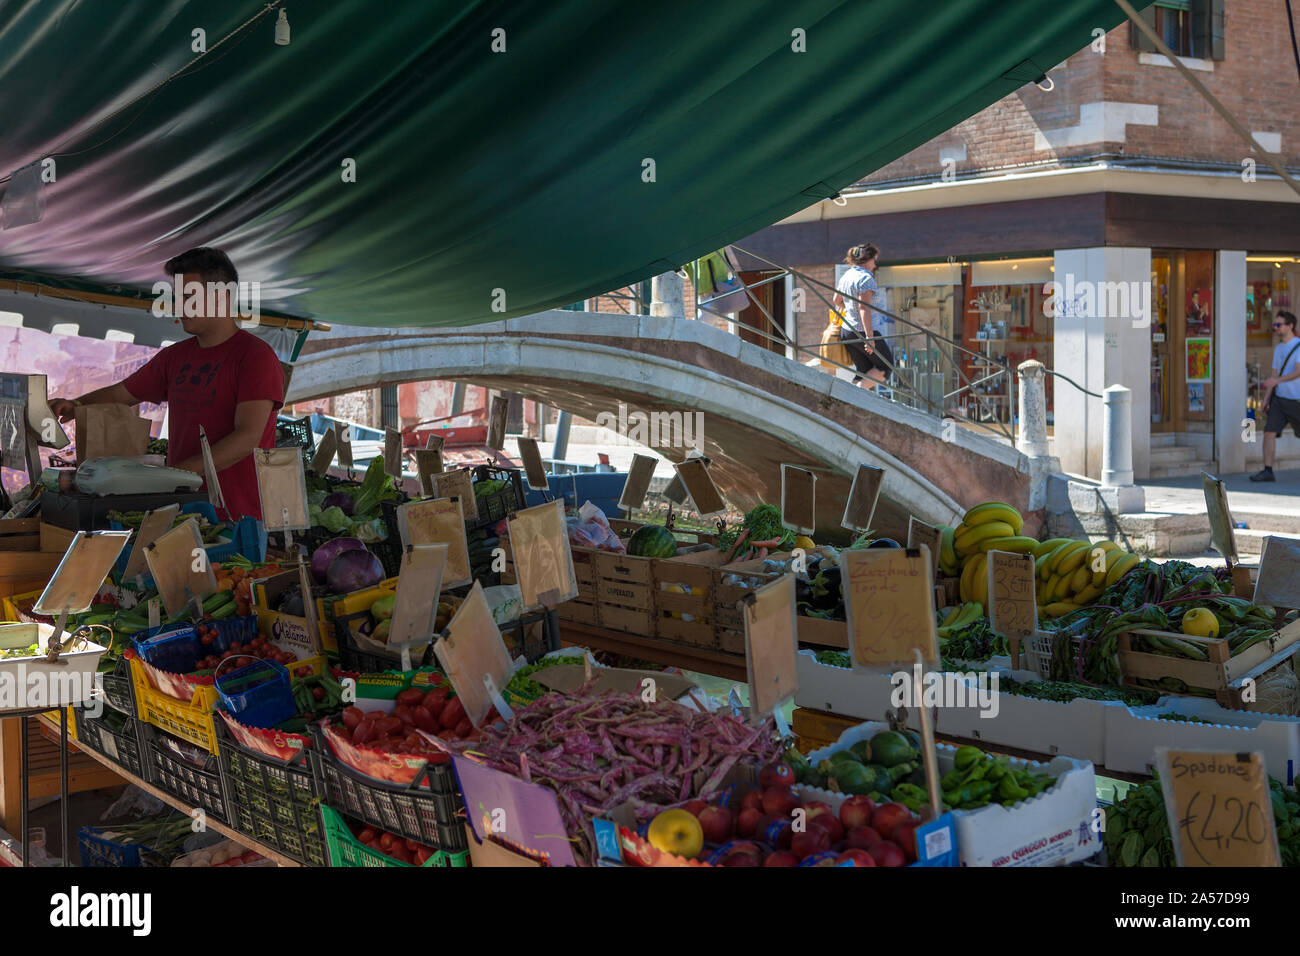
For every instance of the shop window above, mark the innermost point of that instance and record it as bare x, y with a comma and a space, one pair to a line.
1191, 28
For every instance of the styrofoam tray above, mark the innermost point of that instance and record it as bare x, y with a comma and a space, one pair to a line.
1053, 828
33, 682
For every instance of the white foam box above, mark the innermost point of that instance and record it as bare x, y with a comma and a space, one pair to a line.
1133, 733
1051, 829
840, 690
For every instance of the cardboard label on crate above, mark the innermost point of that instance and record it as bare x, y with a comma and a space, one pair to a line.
419, 584
496, 435
281, 483
178, 572
539, 544
1220, 812
472, 650
458, 484
428, 462
798, 499
438, 521
890, 605
704, 495
155, 523
919, 533
861, 505
1216, 506
325, 452
1013, 605
770, 645
534, 472
393, 452
637, 484
81, 572
1278, 584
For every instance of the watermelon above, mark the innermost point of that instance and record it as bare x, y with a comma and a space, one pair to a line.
652, 541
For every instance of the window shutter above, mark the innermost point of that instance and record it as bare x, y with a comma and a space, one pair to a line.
1217, 19
1139, 40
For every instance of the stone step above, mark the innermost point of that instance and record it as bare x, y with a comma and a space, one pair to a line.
1166, 455
1182, 469
1163, 439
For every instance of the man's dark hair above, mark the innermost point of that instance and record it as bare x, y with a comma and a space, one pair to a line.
1287, 317
207, 262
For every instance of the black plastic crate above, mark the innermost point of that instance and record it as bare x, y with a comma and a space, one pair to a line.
534, 635
500, 504
122, 747
295, 432
78, 512
198, 785
272, 801
363, 661
119, 691
433, 815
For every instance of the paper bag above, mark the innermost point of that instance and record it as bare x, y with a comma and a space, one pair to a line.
108, 431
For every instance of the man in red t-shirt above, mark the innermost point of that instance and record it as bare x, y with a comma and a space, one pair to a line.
224, 379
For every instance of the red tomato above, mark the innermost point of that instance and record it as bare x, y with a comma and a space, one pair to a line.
411, 845
464, 728
302, 672
364, 732
424, 719
403, 713
410, 697
368, 834
370, 716
441, 693
452, 714
318, 693
388, 725
400, 853
351, 717
387, 840
205, 640
422, 855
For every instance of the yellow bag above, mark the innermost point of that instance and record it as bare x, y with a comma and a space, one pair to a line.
832, 350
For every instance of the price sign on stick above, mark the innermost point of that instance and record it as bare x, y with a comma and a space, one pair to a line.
1278, 584
1013, 605
496, 436
155, 522
694, 473
798, 499
325, 452
282, 486
393, 452
676, 491
210, 473
438, 521
180, 566
637, 483
1220, 812
889, 600
458, 484
919, 533
770, 645
533, 469
343, 438
473, 653
1216, 506
428, 462
415, 603
861, 506
539, 541
435, 442
85, 565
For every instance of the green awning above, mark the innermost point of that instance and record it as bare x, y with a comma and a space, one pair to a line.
513, 179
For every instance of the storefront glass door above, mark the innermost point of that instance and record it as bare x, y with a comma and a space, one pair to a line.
1182, 341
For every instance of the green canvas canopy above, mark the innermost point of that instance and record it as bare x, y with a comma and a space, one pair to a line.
509, 155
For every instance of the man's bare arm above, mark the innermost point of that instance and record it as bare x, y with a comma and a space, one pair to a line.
108, 395
250, 423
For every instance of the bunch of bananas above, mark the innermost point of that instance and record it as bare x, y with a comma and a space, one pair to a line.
1074, 572
991, 526
957, 618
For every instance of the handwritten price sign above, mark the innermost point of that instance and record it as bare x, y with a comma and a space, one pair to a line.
1219, 808
889, 601
1013, 610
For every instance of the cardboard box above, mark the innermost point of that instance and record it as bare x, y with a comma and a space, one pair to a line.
1052, 828
289, 631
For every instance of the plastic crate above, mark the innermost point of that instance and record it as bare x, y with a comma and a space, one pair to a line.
295, 432
432, 814
179, 646
123, 748
80, 512
247, 537
346, 850
119, 691
198, 786
389, 553
257, 694
17, 607
274, 802
100, 851
500, 504
360, 660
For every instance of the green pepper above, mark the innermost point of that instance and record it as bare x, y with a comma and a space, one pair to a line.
951, 780
997, 770
976, 772
1011, 791
966, 756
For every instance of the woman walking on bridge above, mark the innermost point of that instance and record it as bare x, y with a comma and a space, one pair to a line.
853, 294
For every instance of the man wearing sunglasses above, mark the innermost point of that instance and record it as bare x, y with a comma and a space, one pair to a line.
1281, 390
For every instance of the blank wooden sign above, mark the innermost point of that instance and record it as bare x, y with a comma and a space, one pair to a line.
393, 452
438, 521
638, 481
155, 523
676, 491
539, 541
1216, 506
496, 436
694, 473
473, 649
325, 452
771, 645
533, 468
919, 533
428, 462
82, 571
458, 484
419, 584
798, 499
282, 486
435, 442
343, 439
175, 563
861, 506
1278, 584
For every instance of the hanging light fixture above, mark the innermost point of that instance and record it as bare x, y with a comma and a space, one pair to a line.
282, 28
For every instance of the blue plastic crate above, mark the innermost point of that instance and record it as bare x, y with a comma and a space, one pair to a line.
257, 694
181, 647
247, 537
100, 851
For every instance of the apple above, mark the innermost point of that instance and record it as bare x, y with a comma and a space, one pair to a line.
886, 853
695, 806
717, 823
784, 858
856, 812
810, 841
856, 857
742, 854
815, 808
776, 774
779, 801
825, 858
888, 816
753, 800
905, 836
774, 831
830, 823
676, 831
861, 838
747, 822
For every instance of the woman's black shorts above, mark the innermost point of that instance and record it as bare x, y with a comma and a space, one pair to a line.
880, 357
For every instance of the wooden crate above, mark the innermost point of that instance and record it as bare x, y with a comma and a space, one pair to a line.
694, 573
947, 592
731, 583
625, 592
815, 729
814, 630
20, 534
1216, 674
54, 538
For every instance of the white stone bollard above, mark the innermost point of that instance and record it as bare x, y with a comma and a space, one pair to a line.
1117, 437
668, 296
1032, 437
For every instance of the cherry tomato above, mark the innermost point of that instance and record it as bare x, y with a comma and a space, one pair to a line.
318, 693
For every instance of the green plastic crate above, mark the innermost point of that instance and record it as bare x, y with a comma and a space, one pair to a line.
346, 850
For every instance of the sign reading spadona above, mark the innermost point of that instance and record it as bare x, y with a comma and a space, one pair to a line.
1220, 812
